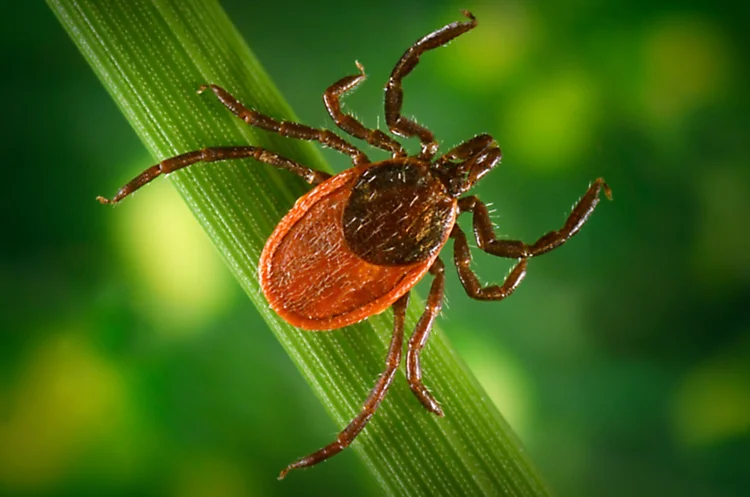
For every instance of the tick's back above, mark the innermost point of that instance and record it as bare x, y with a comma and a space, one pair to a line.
398, 213
310, 275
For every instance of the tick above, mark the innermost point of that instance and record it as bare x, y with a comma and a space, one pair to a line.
357, 243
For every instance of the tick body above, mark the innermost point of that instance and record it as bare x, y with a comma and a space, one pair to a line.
355, 244
359, 241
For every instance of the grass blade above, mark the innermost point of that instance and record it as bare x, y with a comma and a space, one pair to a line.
152, 56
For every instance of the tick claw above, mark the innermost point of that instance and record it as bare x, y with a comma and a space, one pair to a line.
468, 14
428, 401
104, 201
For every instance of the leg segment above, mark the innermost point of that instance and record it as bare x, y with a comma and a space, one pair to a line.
462, 259
394, 93
374, 137
419, 338
286, 128
211, 155
373, 401
516, 249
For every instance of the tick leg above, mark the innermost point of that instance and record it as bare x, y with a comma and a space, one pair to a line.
394, 93
286, 128
462, 259
348, 123
514, 249
419, 338
373, 400
211, 155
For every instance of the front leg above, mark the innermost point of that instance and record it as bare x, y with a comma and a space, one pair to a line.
514, 249
462, 260
394, 93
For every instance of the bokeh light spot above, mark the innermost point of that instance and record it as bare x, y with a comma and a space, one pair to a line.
721, 250
183, 282
208, 476
686, 64
502, 377
488, 55
552, 123
713, 402
66, 398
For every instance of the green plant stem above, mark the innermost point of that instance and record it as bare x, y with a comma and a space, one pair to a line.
152, 55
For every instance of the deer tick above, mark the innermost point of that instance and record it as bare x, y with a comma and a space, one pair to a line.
358, 242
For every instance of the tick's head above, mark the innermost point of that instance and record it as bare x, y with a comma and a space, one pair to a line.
466, 164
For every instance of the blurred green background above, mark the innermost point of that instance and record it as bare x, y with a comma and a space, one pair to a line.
133, 364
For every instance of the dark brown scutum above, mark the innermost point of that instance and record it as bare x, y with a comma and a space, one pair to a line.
398, 214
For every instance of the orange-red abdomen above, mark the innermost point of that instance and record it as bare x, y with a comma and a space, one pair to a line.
310, 275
